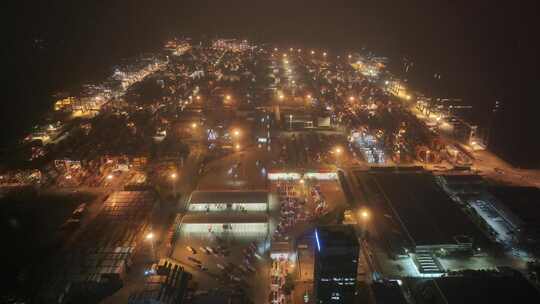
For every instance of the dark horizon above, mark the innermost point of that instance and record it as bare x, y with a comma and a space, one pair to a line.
485, 52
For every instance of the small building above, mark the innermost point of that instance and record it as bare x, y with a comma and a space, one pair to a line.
281, 250
306, 260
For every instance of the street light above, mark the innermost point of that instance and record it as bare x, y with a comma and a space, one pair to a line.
228, 97
303, 183
194, 125
312, 52
150, 238
290, 124
281, 96
173, 177
110, 176
237, 147
364, 214
198, 97
236, 132
351, 98
337, 153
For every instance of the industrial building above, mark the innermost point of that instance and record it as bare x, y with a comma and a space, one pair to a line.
211, 201
426, 216
336, 264
510, 214
240, 213
247, 224
418, 218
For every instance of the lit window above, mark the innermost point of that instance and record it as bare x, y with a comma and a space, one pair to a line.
335, 296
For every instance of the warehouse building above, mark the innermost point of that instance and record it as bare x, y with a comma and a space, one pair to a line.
241, 214
252, 224
418, 218
212, 201
425, 215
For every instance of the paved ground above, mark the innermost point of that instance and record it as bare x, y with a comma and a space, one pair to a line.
486, 163
253, 283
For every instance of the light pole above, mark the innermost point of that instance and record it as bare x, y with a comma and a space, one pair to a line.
290, 120
150, 238
337, 152
173, 177
364, 218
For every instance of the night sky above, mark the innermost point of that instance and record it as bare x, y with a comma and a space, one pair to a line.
485, 50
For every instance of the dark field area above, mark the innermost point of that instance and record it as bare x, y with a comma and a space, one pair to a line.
29, 229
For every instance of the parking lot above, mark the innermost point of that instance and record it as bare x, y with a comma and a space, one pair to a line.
225, 262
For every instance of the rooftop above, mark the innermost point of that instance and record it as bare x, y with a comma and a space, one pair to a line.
336, 236
225, 218
425, 213
232, 196
523, 202
463, 179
